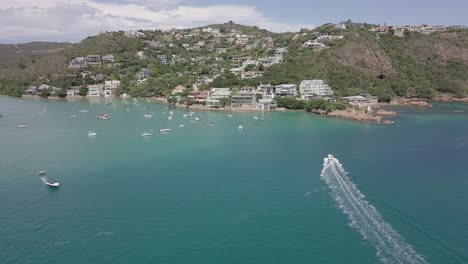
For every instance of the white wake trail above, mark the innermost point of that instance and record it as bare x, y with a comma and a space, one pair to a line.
390, 246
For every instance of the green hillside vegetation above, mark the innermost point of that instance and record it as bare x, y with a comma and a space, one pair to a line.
416, 65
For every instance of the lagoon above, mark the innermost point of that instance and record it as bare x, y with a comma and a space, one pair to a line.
203, 194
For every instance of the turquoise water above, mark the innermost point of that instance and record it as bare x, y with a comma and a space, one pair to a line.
202, 194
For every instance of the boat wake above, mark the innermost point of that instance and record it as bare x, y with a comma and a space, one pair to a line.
390, 246
44, 180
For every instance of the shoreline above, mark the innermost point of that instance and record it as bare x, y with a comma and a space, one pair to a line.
355, 113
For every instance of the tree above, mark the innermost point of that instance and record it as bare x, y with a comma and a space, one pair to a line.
62, 93
172, 100
45, 93
224, 102
83, 91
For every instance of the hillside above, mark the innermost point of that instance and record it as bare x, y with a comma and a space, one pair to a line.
382, 64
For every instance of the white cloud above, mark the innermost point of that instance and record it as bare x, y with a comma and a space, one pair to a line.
72, 20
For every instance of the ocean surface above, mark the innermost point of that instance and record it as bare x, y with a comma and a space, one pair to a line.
203, 194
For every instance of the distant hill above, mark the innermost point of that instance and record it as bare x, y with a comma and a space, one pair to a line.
415, 65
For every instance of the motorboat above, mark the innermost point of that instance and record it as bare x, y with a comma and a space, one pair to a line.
329, 159
92, 134
83, 111
181, 125
41, 172
23, 126
50, 182
185, 115
255, 117
104, 117
169, 118
147, 134
72, 116
164, 130
148, 116
197, 119
230, 115
240, 127
128, 109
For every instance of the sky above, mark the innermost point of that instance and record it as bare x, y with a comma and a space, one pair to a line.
74, 20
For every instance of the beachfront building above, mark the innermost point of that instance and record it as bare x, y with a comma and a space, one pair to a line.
94, 90
266, 104
245, 97
110, 87
215, 95
286, 90
313, 88
73, 92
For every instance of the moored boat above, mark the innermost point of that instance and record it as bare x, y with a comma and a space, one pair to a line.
148, 116
104, 117
146, 134
92, 134
164, 130
23, 126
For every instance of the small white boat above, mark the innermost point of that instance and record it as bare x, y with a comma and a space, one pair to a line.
171, 113
147, 134
50, 183
42, 172
148, 116
92, 134
164, 130
197, 119
329, 159
128, 109
229, 115
185, 115
72, 116
240, 127
83, 111
181, 125
23, 126
104, 117
255, 117
169, 118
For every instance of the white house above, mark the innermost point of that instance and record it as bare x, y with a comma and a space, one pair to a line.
313, 45
266, 104
73, 92
330, 38
286, 90
311, 88
110, 87
94, 90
